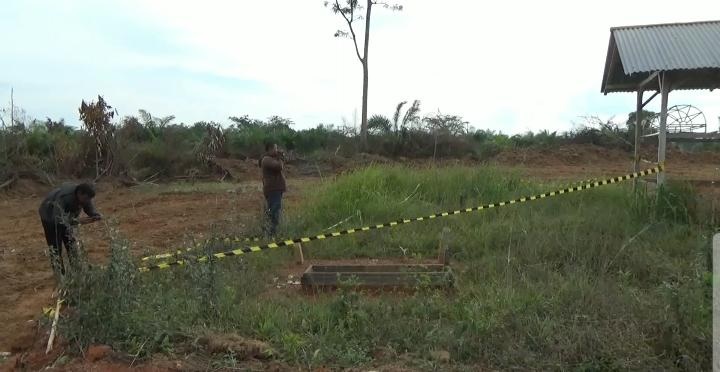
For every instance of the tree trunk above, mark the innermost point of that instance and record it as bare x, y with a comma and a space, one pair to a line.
97, 159
364, 123
12, 109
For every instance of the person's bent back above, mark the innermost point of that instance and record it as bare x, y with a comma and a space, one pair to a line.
59, 213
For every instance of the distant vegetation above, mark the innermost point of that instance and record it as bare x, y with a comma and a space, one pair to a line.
144, 145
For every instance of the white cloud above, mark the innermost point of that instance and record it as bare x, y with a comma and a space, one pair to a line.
510, 66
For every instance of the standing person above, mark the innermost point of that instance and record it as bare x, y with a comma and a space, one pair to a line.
273, 186
59, 213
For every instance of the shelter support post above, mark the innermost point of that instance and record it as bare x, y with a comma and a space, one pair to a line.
662, 133
638, 124
640, 105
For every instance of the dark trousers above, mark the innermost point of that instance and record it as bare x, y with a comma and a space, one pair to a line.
58, 235
272, 211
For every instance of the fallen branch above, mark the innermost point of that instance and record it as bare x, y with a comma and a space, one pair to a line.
38, 176
151, 179
627, 244
9, 182
103, 173
54, 327
199, 176
411, 194
138, 353
339, 223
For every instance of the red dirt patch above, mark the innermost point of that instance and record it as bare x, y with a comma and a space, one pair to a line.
97, 352
150, 220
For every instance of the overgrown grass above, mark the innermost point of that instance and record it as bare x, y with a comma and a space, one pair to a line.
598, 280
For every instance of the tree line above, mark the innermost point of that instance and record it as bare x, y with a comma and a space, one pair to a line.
145, 145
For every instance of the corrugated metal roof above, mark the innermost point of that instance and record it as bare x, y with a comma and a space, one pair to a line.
676, 46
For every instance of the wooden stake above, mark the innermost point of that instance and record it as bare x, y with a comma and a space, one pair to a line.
54, 327
443, 252
662, 142
299, 259
638, 124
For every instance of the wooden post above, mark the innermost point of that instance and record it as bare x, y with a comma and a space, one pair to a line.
638, 124
662, 133
443, 251
299, 259
53, 329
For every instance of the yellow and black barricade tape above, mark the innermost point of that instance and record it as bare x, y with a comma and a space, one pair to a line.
199, 245
227, 240
290, 242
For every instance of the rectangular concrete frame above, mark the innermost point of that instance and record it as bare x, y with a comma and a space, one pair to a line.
378, 276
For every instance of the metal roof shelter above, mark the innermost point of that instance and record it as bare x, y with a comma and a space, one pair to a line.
662, 58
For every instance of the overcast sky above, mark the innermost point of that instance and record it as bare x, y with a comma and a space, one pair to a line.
511, 66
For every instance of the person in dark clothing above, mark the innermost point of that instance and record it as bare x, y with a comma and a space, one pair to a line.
273, 186
59, 213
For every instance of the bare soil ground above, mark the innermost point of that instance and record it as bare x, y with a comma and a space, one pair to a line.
156, 218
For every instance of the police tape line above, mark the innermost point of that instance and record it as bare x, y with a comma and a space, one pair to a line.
199, 245
289, 242
226, 240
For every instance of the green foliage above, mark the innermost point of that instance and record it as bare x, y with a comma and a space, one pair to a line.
677, 202
379, 124
595, 280
647, 119
146, 145
48, 146
543, 138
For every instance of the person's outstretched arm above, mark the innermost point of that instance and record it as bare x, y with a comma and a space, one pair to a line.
92, 213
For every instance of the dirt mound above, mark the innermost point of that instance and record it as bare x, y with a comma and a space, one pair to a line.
239, 170
249, 170
561, 155
675, 154
330, 164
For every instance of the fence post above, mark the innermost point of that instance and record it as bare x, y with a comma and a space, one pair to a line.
299, 258
443, 250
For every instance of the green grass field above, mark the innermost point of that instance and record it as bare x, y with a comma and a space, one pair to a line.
604, 279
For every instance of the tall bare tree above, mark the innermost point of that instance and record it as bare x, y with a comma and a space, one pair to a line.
350, 10
12, 108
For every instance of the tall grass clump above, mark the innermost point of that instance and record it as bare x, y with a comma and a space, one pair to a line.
603, 279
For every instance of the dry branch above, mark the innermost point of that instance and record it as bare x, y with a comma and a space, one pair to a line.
9, 182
